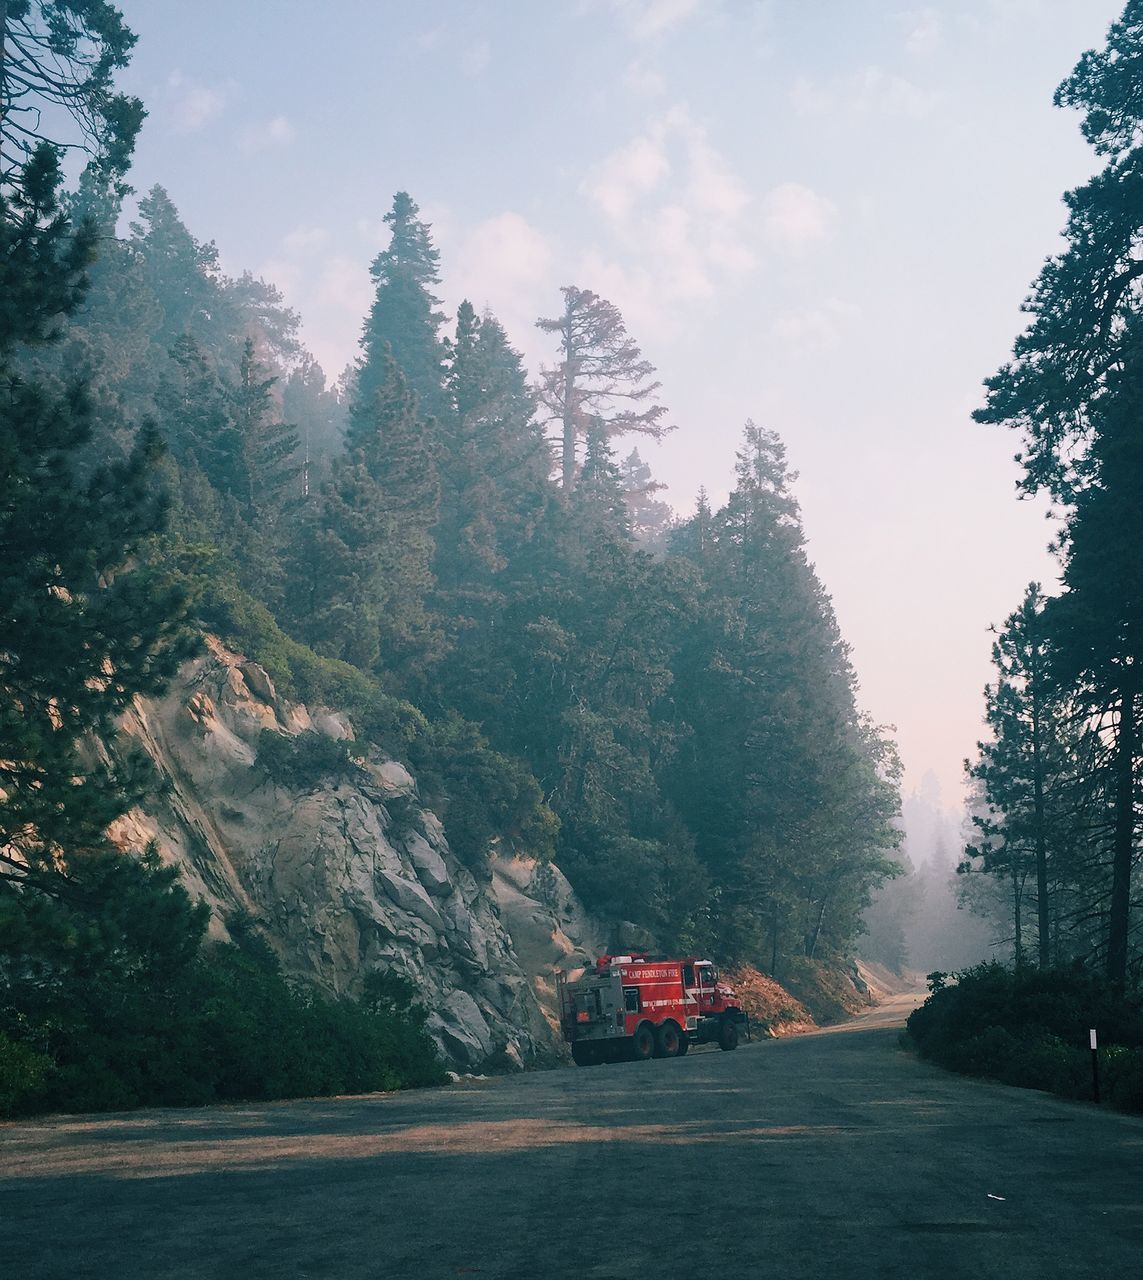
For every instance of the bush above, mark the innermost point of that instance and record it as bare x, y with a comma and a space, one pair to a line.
1029, 1027
22, 1074
479, 793
113, 1000
305, 759
1122, 1074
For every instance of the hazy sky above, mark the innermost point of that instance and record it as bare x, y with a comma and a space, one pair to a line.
819, 214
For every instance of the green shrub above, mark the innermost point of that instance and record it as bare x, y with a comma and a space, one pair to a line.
305, 759
479, 793
23, 1072
1122, 1076
112, 999
1029, 1027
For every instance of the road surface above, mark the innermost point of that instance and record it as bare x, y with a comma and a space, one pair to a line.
829, 1155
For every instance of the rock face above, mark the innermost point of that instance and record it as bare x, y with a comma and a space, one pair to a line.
353, 875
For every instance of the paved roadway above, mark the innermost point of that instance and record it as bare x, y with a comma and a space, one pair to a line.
834, 1154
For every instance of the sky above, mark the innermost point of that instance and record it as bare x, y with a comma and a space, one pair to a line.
821, 215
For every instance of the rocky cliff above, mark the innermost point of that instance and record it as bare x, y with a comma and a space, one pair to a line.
350, 875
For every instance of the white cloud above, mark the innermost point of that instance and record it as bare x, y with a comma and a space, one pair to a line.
276, 132
303, 239
674, 213
647, 19
505, 264
795, 216
871, 91
925, 32
633, 171
194, 105
476, 58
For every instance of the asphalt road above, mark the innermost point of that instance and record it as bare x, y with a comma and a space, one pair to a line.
835, 1154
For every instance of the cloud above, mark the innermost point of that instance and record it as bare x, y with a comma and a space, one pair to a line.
505, 264
925, 32
674, 212
276, 132
796, 217
816, 327
648, 19
871, 91
303, 239
509, 249
634, 170
193, 105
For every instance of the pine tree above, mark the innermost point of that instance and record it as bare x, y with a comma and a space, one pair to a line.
600, 497
1024, 770
80, 634
1077, 357
403, 322
196, 409
58, 60
269, 468
187, 281
601, 376
649, 518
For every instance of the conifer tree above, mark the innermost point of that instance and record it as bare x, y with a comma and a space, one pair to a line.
1023, 770
196, 409
649, 518
270, 466
58, 60
403, 321
1076, 360
600, 496
80, 634
601, 376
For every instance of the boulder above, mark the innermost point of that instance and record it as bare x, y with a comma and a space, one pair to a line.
430, 866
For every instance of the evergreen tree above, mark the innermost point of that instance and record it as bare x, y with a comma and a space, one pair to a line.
649, 518
1023, 769
269, 467
80, 635
601, 376
1076, 359
196, 408
403, 322
791, 794
58, 60
185, 278
600, 497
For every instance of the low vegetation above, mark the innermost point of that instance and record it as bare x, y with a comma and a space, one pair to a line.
1030, 1027
114, 999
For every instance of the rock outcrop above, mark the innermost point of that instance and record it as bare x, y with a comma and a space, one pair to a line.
351, 875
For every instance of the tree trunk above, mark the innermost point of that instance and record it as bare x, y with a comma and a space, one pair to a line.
1043, 917
3, 81
1124, 841
569, 401
1017, 921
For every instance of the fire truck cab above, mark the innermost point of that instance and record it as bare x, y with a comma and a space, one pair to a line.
635, 1007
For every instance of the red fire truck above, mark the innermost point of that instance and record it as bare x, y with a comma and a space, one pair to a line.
634, 1007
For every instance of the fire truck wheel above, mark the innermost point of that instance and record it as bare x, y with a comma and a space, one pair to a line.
728, 1034
643, 1042
684, 1043
668, 1039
